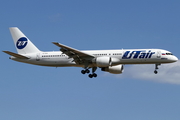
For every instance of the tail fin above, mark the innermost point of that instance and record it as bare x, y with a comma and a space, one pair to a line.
22, 43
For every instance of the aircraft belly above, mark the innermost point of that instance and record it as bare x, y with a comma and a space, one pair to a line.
57, 62
143, 61
49, 62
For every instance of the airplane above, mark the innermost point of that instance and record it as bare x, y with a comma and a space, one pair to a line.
111, 61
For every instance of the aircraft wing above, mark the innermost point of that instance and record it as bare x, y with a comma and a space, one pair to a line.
78, 55
16, 55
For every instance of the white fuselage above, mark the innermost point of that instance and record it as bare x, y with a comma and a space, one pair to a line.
126, 56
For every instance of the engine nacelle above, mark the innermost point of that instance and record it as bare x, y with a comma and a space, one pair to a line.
102, 61
105, 61
118, 69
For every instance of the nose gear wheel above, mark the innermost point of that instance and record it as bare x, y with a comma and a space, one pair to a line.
156, 68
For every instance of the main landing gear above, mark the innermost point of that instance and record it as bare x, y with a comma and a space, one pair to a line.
88, 71
85, 71
156, 67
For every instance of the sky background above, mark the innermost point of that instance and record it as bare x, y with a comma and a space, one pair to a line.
29, 92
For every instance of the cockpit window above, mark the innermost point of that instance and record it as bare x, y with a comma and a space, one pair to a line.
169, 54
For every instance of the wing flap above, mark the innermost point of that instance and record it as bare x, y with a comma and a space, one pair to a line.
16, 55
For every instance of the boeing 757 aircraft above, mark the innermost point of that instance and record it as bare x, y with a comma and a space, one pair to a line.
111, 61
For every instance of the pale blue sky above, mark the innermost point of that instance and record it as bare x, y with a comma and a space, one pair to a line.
31, 92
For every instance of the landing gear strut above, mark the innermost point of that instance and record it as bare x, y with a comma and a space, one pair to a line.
93, 74
88, 71
156, 67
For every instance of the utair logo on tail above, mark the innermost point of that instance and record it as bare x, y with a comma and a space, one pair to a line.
137, 54
21, 43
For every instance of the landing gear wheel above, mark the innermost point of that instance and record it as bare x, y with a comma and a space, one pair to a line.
94, 75
83, 71
87, 71
90, 75
155, 71
156, 68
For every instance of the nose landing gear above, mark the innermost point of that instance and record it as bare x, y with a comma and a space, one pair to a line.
155, 71
156, 68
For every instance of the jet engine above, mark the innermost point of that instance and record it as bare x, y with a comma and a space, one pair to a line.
105, 61
118, 69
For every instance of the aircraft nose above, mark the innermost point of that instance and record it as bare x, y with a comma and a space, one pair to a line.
174, 59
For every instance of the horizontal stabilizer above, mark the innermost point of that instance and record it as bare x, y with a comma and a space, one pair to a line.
16, 55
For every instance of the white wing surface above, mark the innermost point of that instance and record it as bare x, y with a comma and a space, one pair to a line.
78, 56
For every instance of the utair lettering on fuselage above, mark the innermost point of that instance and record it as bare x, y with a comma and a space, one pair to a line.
137, 54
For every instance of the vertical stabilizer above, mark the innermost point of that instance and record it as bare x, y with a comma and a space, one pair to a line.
22, 43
